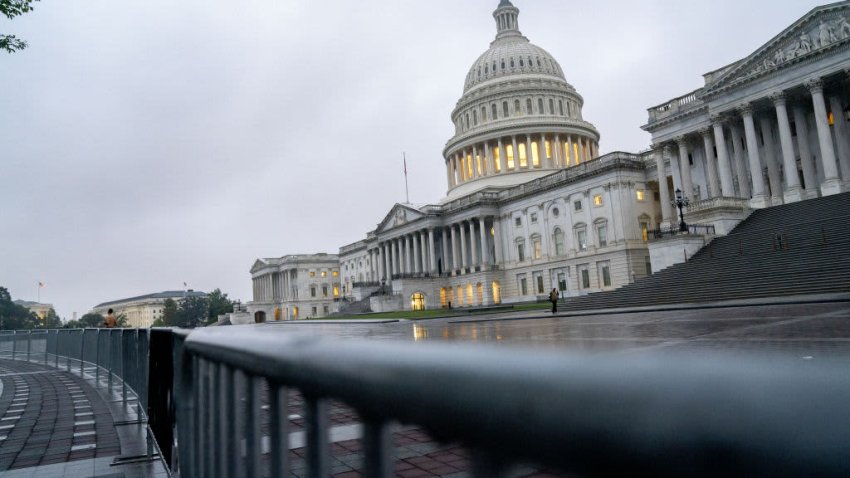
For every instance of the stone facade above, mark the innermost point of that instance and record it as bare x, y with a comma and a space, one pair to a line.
295, 287
143, 310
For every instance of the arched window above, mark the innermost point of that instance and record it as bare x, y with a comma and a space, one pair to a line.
486, 69
513, 65
469, 297
600, 226
475, 117
484, 113
569, 110
495, 112
536, 246
540, 105
503, 64
497, 293
467, 121
479, 289
561, 107
494, 67
539, 65
551, 106
581, 236
459, 301
517, 108
505, 112
528, 106
558, 239
444, 298
521, 63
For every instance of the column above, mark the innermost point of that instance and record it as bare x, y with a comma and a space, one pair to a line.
792, 192
488, 160
806, 158
475, 173
415, 256
463, 259
738, 159
447, 265
394, 259
432, 250
726, 185
756, 171
674, 170
831, 184
545, 160
455, 252
770, 157
497, 239
557, 151
685, 166
449, 175
516, 153
502, 157
388, 262
484, 249
529, 155
662, 188
711, 166
473, 245
840, 129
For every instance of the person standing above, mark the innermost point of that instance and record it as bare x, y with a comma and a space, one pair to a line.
110, 321
553, 297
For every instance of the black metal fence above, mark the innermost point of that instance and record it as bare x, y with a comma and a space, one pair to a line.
592, 416
693, 229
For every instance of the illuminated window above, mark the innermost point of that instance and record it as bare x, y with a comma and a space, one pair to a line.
536, 246
312, 273
640, 194
523, 157
295, 312
831, 118
497, 155
324, 273
575, 150
480, 164
597, 200
469, 299
417, 301
479, 289
460, 296
497, 293
548, 149
644, 230
535, 154
510, 152
336, 291
469, 166
443, 298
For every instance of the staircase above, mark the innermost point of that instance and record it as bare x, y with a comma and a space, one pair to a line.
795, 249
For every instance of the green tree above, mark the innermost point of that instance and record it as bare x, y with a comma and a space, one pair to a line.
89, 321
193, 312
169, 313
14, 316
218, 304
11, 9
51, 320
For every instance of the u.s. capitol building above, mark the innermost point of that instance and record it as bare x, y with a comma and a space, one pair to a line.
532, 206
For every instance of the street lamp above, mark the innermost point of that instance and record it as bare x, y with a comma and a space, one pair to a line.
681, 202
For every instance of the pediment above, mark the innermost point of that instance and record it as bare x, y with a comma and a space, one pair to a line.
399, 215
818, 32
258, 264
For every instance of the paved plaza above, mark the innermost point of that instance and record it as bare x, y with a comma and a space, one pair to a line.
55, 423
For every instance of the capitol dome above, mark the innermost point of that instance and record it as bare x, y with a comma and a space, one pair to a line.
518, 118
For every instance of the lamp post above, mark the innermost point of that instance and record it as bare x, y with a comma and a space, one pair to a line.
681, 202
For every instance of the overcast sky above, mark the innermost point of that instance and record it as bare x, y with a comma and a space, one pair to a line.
150, 143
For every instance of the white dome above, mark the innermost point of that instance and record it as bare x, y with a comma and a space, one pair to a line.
512, 56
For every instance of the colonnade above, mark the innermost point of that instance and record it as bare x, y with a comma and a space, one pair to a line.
518, 152
733, 161
276, 286
461, 247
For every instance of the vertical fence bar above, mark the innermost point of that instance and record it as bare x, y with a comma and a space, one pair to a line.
215, 415
29, 344
239, 383
124, 340
252, 426
82, 350
97, 358
316, 421
183, 383
228, 423
14, 343
142, 367
279, 409
197, 441
377, 449
209, 439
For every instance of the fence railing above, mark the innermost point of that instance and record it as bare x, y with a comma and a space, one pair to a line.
693, 229
594, 416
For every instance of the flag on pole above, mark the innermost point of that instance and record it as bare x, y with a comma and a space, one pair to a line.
40, 284
405, 165
184, 284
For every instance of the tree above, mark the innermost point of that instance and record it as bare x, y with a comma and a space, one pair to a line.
90, 321
194, 312
11, 9
51, 320
14, 316
218, 304
169, 313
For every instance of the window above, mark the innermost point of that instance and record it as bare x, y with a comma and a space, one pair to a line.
602, 234
483, 113
475, 118
324, 291
523, 285
523, 155
495, 112
510, 152
518, 221
460, 296
497, 293
313, 311
538, 282
551, 106
561, 107
534, 218
417, 301
336, 273
505, 112
536, 246
528, 106
577, 205
325, 310
648, 265
517, 108
325, 273
640, 194
535, 154
605, 269
559, 241
469, 299
312, 291
336, 291
312, 273
597, 200
520, 251
540, 105
585, 278
562, 281
555, 211
581, 238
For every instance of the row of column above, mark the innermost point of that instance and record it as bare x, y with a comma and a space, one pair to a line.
463, 247
721, 167
502, 156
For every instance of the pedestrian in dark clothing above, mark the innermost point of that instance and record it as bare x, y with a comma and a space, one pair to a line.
553, 297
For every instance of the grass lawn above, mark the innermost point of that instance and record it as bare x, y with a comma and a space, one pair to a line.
434, 313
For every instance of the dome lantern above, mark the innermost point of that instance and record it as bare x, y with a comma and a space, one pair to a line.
507, 23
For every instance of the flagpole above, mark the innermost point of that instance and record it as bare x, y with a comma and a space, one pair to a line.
406, 190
